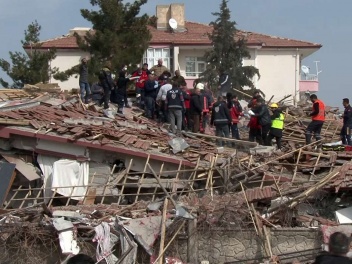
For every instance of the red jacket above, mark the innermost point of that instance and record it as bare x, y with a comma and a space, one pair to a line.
141, 81
254, 123
235, 114
187, 99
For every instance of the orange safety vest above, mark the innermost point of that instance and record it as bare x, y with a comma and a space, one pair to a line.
321, 115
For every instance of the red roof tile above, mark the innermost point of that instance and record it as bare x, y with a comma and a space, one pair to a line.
195, 34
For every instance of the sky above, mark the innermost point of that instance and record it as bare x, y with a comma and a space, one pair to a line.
324, 22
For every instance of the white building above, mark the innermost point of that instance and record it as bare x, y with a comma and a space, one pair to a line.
278, 59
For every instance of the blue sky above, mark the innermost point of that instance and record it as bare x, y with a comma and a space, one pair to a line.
326, 22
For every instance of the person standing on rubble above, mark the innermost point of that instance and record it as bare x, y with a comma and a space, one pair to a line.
318, 118
261, 111
186, 116
97, 93
277, 125
151, 87
253, 124
161, 98
339, 245
121, 91
107, 82
221, 118
195, 110
175, 106
83, 81
236, 112
347, 123
159, 69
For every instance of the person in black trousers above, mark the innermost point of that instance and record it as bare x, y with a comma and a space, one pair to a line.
107, 82
262, 112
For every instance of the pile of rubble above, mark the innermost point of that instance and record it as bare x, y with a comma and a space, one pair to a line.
69, 172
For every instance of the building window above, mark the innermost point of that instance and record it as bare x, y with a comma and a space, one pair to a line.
152, 55
194, 66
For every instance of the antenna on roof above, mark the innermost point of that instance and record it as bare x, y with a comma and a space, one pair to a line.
173, 23
317, 68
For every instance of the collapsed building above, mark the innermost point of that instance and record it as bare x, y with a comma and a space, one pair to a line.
123, 190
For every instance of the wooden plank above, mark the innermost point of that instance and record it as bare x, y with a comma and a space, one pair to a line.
90, 196
19, 122
27, 170
163, 229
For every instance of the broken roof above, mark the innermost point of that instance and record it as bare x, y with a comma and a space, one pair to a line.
195, 34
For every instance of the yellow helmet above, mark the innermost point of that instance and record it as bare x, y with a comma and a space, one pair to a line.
274, 105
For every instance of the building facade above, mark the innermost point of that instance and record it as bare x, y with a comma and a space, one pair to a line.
182, 48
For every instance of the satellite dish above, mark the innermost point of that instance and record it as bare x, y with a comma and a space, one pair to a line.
173, 23
305, 69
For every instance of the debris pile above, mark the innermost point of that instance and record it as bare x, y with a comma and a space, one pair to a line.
71, 173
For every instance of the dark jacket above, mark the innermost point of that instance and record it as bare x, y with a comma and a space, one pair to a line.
347, 117
262, 112
150, 89
180, 80
174, 99
331, 259
106, 79
97, 92
83, 73
122, 82
195, 105
224, 82
220, 114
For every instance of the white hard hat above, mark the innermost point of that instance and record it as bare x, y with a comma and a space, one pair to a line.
200, 86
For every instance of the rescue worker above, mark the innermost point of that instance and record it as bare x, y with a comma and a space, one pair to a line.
195, 110
107, 82
175, 106
161, 98
221, 118
204, 118
262, 112
277, 125
347, 123
150, 88
236, 112
318, 118
186, 117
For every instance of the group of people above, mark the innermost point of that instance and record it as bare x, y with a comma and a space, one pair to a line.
167, 99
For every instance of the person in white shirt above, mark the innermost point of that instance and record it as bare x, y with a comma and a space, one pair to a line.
160, 99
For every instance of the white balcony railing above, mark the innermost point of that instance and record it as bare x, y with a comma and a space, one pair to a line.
309, 77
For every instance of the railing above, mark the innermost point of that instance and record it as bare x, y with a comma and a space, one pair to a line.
309, 77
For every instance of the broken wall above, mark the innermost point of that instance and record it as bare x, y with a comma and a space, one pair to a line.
231, 245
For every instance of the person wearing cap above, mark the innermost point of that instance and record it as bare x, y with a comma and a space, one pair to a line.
220, 118
83, 81
347, 123
318, 119
277, 125
105, 79
204, 118
161, 98
159, 69
339, 246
